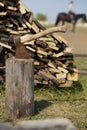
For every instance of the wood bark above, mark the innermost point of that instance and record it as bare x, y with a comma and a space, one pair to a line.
19, 87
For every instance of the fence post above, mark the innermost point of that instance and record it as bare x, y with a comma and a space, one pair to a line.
19, 87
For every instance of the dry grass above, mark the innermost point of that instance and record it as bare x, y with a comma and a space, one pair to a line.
52, 102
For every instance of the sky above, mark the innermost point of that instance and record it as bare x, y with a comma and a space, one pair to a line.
51, 8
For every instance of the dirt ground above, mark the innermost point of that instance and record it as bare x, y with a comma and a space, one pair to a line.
77, 40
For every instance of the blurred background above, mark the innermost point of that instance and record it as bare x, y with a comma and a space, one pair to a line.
51, 8
46, 11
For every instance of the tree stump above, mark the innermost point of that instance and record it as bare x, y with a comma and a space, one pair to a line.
19, 87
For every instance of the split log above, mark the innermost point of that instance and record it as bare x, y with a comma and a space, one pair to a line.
3, 67
47, 75
23, 5
1, 4
6, 46
72, 76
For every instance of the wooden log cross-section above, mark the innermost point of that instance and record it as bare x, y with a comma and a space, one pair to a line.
19, 87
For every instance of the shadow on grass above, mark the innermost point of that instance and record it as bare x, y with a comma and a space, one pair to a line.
40, 105
54, 93
76, 87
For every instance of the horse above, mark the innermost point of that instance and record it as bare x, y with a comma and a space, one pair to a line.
66, 17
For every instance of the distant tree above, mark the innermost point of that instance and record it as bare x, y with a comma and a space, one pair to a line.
41, 17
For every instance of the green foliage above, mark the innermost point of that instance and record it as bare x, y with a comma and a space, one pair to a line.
41, 17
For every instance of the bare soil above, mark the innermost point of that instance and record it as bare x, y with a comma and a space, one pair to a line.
77, 40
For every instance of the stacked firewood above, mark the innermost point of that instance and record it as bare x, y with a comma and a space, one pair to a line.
53, 58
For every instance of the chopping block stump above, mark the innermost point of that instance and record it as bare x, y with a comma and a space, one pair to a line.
19, 87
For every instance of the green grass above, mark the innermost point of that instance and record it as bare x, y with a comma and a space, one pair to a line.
81, 62
52, 102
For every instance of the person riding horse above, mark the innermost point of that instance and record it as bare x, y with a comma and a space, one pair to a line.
70, 17
71, 11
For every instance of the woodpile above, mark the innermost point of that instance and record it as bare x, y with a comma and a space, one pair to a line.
53, 58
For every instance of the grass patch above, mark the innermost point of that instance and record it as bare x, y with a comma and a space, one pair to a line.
52, 102
81, 62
